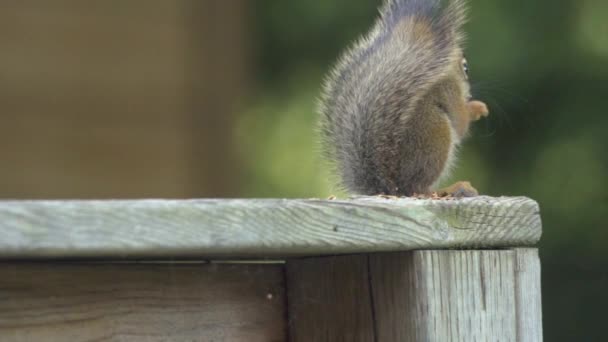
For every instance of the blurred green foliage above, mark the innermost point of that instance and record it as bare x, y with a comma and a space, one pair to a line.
542, 68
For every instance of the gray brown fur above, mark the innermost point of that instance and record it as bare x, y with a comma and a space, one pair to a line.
392, 108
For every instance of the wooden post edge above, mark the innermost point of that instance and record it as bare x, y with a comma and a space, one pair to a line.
426, 295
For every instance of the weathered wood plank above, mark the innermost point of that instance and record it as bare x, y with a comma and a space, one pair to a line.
426, 295
528, 295
129, 302
260, 228
456, 296
328, 299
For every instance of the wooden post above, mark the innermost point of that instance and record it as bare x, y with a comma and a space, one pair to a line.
412, 270
430, 295
329, 299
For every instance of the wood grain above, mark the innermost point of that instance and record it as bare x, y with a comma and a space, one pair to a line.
528, 295
268, 228
150, 302
456, 296
430, 295
328, 300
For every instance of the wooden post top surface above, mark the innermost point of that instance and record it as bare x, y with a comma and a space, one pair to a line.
260, 228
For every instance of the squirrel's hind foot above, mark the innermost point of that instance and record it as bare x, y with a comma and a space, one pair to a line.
458, 190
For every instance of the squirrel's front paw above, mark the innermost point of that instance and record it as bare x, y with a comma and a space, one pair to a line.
459, 189
477, 110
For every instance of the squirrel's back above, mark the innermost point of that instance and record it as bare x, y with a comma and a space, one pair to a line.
371, 96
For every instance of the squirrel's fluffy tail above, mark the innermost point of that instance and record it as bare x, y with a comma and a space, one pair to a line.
377, 84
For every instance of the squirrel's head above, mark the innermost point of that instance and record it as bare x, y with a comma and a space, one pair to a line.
476, 108
453, 95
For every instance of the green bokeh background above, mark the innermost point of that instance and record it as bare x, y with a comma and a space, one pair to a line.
542, 68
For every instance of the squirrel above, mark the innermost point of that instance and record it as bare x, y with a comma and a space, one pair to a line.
398, 103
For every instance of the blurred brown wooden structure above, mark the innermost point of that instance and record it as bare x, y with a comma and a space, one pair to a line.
112, 98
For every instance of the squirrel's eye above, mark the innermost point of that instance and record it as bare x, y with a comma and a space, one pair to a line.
465, 67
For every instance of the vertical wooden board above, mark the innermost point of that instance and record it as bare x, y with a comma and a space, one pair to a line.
329, 300
394, 285
150, 302
528, 295
444, 295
